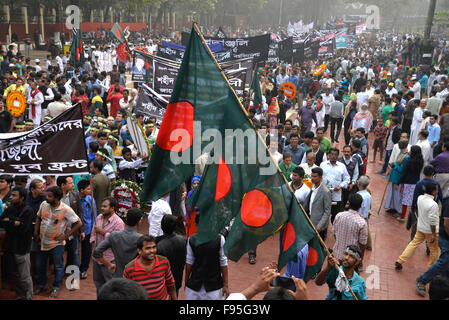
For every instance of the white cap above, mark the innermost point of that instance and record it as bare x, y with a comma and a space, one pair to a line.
37, 61
413, 77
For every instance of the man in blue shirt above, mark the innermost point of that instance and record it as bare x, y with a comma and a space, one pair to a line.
89, 213
298, 268
434, 131
296, 151
339, 280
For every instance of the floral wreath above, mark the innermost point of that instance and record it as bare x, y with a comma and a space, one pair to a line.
127, 195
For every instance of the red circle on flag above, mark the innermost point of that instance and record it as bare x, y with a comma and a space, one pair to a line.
312, 257
118, 34
224, 180
256, 209
289, 236
176, 131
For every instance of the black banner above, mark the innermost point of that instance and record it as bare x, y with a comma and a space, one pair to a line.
170, 53
286, 49
328, 48
253, 47
55, 148
165, 75
221, 34
237, 80
166, 71
149, 104
273, 52
298, 51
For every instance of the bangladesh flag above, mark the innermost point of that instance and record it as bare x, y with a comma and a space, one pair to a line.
295, 234
315, 259
76, 49
240, 183
117, 32
255, 88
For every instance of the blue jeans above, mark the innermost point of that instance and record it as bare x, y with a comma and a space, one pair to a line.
41, 265
439, 267
387, 158
73, 253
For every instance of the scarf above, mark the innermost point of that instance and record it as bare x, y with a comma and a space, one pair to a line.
33, 93
318, 106
274, 107
364, 115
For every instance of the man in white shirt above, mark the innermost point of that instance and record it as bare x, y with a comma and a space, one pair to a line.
416, 89
302, 190
424, 144
37, 66
327, 99
427, 227
336, 178
60, 62
158, 209
57, 107
309, 164
47, 62
391, 90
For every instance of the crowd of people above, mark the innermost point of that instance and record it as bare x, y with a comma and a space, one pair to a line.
378, 97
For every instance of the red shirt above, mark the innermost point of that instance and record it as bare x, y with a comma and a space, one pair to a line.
114, 99
156, 281
111, 90
84, 100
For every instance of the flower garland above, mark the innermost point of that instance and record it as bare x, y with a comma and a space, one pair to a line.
127, 195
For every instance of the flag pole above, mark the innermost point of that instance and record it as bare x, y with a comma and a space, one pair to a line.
195, 26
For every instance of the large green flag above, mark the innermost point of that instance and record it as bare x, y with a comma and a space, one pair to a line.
255, 88
241, 182
76, 49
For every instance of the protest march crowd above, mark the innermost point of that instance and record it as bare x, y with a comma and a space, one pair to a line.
376, 94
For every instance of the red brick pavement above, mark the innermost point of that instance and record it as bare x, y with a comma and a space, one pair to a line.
389, 238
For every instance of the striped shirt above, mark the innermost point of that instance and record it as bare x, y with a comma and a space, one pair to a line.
108, 171
114, 223
54, 222
155, 282
349, 228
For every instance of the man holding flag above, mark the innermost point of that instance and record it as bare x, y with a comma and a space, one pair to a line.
255, 195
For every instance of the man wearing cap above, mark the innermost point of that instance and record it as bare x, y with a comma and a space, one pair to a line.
37, 66
391, 89
416, 89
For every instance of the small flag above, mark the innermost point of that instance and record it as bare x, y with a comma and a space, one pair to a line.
118, 33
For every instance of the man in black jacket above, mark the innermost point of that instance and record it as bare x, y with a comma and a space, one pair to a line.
173, 247
17, 220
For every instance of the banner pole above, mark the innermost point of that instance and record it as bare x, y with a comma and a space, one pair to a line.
195, 26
